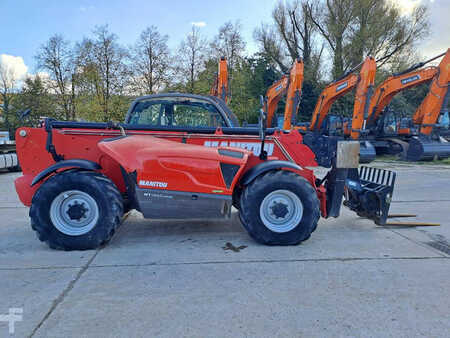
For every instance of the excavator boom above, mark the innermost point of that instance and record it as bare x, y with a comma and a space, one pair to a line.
273, 96
328, 96
220, 87
294, 93
427, 115
386, 91
364, 91
364, 82
291, 85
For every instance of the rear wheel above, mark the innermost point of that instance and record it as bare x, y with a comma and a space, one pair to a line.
76, 210
279, 208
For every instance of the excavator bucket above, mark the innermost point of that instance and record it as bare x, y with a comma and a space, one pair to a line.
425, 148
367, 152
368, 192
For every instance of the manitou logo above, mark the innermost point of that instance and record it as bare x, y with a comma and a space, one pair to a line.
153, 184
255, 147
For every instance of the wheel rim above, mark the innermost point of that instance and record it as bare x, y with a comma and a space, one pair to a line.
281, 211
74, 213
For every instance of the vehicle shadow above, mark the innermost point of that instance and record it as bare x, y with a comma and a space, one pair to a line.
137, 229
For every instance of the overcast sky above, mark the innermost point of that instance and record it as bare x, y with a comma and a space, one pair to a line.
26, 24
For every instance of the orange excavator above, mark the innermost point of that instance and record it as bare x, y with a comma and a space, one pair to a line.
427, 115
320, 125
429, 144
393, 134
291, 86
220, 87
364, 82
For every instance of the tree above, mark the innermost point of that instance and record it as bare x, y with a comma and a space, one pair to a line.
57, 59
230, 44
35, 96
292, 36
356, 28
271, 46
150, 62
8, 87
101, 62
381, 31
334, 25
253, 76
191, 57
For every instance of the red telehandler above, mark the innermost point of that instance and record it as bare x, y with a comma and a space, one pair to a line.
185, 156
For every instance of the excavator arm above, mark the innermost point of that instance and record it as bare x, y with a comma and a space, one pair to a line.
364, 91
386, 91
273, 96
220, 87
427, 115
294, 93
291, 85
328, 96
364, 82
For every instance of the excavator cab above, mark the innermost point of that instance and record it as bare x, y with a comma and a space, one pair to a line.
444, 121
333, 125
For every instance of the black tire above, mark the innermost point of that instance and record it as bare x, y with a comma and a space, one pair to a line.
254, 194
100, 188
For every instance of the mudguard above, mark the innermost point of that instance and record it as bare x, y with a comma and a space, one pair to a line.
76, 163
263, 167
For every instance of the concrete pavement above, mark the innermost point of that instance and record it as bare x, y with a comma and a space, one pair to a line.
163, 278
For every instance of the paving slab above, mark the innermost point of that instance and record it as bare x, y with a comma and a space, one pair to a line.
141, 241
407, 298
208, 278
33, 290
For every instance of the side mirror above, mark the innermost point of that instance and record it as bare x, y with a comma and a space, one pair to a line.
262, 124
24, 114
261, 101
262, 133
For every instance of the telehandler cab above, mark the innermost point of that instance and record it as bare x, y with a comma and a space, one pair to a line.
184, 156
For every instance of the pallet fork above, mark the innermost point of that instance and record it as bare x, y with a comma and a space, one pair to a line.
369, 191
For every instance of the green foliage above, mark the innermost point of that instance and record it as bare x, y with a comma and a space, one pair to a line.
33, 96
310, 94
251, 79
36, 97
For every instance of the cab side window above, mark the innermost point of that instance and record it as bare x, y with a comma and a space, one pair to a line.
187, 113
197, 115
148, 113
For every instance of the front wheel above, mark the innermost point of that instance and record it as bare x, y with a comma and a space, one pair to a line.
76, 210
279, 208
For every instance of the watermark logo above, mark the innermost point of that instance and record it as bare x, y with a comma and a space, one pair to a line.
14, 315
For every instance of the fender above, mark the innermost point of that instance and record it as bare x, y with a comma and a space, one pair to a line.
261, 168
82, 164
